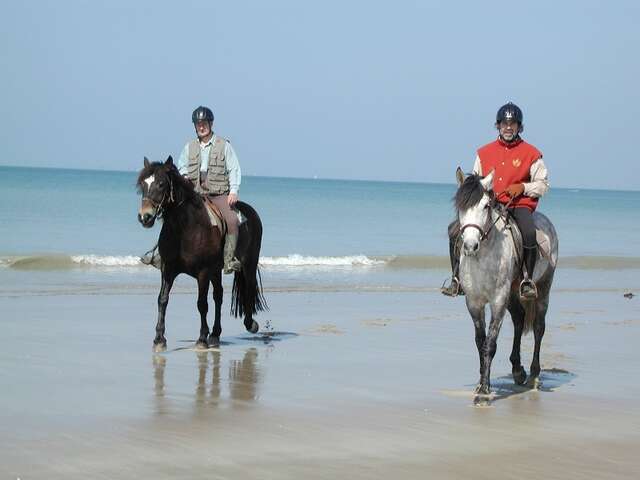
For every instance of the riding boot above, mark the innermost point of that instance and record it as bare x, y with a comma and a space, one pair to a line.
528, 288
455, 288
152, 257
231, 263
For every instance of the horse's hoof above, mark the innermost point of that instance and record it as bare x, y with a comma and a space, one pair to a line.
159, 347
213, 341
254, 327
201, 345
482, 401
520, 376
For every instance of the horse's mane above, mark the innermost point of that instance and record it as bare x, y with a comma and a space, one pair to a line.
179, 182
469, 193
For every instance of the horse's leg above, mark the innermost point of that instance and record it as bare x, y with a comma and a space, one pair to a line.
517, 315
497, 315
160, 343
538, 332
477, 315
203, 307
216, 282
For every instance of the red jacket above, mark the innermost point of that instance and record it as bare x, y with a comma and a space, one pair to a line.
512, 164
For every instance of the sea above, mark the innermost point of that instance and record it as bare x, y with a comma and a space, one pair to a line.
78, 228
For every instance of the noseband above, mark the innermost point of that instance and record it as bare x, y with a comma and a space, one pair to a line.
484, 232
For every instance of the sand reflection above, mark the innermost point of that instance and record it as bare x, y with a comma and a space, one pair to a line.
234, 384
244, 377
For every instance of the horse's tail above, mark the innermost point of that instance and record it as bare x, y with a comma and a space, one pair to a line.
529, 314
246, 295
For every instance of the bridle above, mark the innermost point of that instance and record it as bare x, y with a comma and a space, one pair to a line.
489, 224
159, 207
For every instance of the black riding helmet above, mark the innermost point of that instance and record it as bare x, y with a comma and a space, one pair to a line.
509, 111
202, 113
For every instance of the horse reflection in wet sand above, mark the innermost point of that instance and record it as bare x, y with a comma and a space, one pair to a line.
243, 381
489, 273
189, 244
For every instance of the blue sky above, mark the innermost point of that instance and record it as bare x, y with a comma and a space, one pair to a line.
356, 90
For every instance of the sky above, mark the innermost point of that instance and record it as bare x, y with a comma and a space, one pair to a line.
393, 91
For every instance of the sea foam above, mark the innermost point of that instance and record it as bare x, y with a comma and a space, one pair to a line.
107, 260
296, 260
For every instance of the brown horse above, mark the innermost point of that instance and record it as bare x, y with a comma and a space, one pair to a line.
189, 244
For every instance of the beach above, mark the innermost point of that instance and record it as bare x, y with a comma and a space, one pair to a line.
352, 381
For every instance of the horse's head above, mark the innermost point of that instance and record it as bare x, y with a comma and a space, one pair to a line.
156, 187
474, 200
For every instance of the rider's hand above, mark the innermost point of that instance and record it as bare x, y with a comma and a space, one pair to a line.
515, 190
232, 198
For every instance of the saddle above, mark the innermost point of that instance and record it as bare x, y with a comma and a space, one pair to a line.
544, 245
215, 216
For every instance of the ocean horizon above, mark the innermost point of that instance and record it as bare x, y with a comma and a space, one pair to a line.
311, 177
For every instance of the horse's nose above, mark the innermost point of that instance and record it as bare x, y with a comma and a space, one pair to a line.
145, 218
471, 247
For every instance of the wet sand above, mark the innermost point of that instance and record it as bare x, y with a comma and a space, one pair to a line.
339, 384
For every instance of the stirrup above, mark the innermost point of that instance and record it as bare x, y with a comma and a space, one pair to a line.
234, 265
151, 258
530, 294
453, 290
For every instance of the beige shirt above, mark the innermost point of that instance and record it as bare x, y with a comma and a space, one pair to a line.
539, 183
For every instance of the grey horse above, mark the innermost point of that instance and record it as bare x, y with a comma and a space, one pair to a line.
490, 269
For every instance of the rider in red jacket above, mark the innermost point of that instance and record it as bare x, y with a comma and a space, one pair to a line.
520, 179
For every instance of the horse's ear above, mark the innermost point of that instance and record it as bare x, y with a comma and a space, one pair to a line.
487, 182
459, 176
169, 162
146, 162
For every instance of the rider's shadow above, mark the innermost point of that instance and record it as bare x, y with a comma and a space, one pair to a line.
550, 380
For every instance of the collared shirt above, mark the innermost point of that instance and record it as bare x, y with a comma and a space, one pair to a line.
230, 158
536, 187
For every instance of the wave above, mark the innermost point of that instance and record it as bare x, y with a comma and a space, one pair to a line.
298, 262
64, 262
